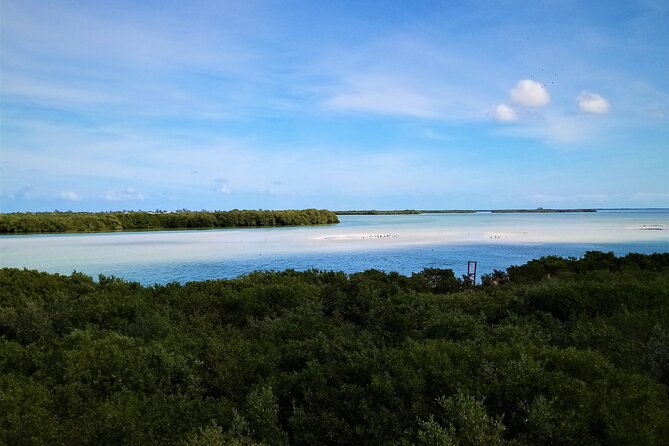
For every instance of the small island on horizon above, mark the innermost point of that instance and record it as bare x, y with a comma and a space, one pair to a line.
459, 211
538, 211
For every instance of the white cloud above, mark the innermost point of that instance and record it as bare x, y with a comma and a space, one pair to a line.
394, 101
128, 194
505, 113
223, 189
555, 128
592, 103
390, 88
69, 196
26, 192
222, 186
530, 93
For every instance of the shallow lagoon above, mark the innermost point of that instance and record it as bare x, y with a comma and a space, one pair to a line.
403, 243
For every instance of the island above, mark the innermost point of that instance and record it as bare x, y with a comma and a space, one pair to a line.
405, 212
458, 211
538, 211
65, 222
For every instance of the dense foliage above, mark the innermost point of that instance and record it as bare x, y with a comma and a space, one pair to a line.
120, 221
557, 351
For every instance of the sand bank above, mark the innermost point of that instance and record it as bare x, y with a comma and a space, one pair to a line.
355, 237
571, 234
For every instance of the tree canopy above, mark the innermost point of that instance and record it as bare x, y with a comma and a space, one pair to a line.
135, 220
556, 351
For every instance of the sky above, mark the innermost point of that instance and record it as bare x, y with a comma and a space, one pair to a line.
340, 105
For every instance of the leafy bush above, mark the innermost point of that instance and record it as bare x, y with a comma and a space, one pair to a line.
562, 351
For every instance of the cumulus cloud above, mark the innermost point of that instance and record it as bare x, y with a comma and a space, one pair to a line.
128, 194
530, 94
592, 103
504, 113
69, 196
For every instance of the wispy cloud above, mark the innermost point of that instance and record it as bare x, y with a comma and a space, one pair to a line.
19, 86
385, 100
22, 192
68, 196
222, 186
658, 113
128, 194
139, 98
146, 64
406, 75
555, 129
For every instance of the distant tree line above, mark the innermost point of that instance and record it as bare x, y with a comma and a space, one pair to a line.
539, 211
404, 212
460, 211
376, 212
134, 220
556, 351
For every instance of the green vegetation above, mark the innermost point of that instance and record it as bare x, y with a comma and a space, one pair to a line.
557, 351
131, 221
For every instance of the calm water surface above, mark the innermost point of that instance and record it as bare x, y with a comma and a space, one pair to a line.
403, 243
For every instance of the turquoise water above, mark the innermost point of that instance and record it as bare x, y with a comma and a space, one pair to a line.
403, 243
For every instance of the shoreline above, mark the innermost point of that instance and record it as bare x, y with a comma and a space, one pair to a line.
361, 242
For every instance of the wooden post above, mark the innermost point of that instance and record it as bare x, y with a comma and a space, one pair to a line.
471, 271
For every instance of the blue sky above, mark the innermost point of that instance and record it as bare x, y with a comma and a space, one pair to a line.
340, 105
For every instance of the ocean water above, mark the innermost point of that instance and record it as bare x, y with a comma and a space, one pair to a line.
402, 243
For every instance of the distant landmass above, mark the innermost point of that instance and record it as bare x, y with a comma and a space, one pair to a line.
65, 222
404, 211
459, 211
70, 222
538, 211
